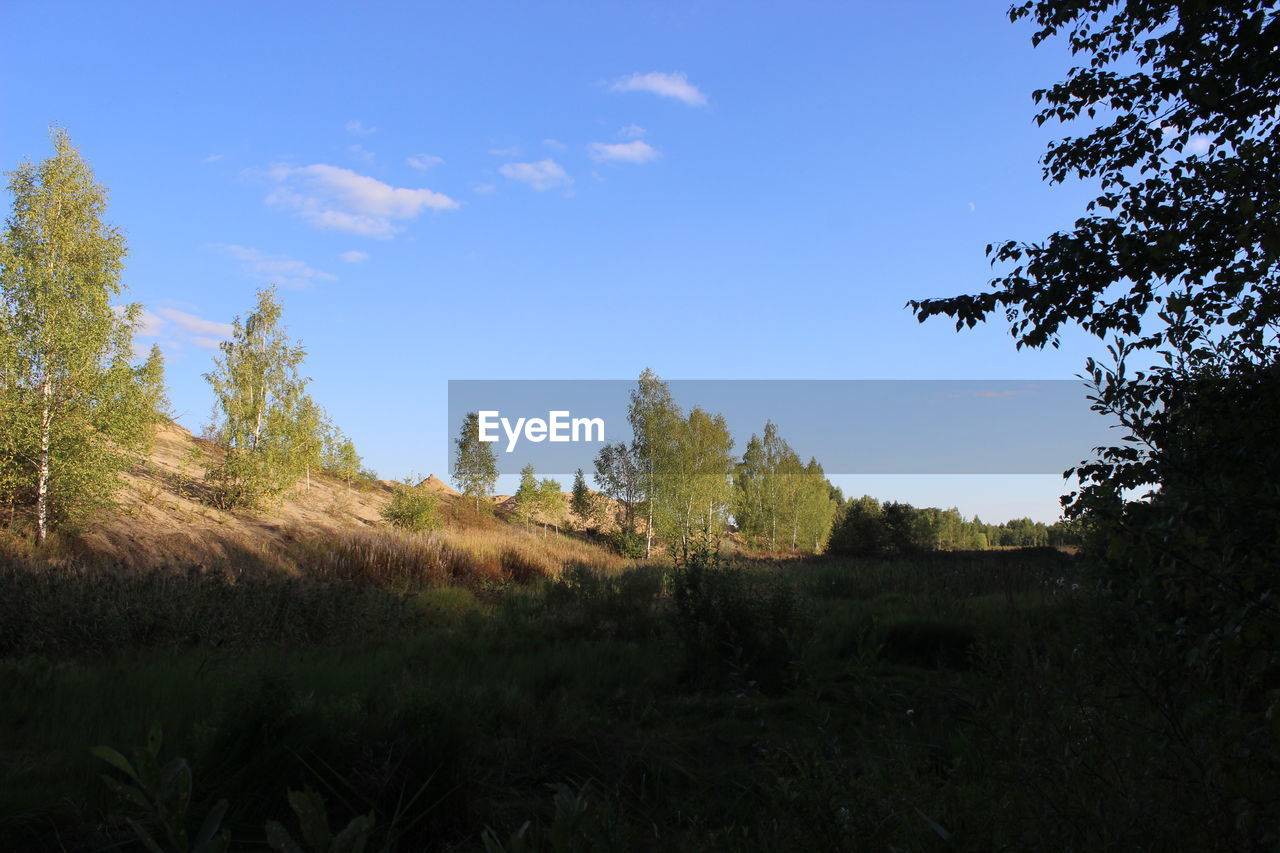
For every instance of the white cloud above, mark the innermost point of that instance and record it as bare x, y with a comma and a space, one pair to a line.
542, 175
674, 85
337, 198
554, 144
513, 151
277, 269
485, 189
360, 152
972, 207
173, 329
632, 131
201, 332
1199, 145
354, 257
357, 127
636, 152
149, 325
423, 162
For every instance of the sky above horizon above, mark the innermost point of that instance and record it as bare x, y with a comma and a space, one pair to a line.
558, 191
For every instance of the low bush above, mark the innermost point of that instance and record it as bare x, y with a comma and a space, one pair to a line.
732, 622
413, 508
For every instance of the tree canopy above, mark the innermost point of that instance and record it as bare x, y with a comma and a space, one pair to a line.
76, 408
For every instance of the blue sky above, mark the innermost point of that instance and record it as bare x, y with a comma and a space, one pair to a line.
558, 190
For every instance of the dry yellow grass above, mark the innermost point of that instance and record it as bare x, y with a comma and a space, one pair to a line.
320, 527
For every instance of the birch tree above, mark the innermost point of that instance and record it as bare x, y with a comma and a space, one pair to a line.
527, 496
267, 423
475, 466
655, 422
698, 483
76, 410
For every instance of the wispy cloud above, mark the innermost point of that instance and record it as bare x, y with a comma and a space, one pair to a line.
360, 152
423, 162
178, 327
554, 144
194, 325
335, 198
173, 330
542, 175
675, 85
277, 269
354, 256
636, 152
510, 151
212, 158
149, 325
632, 131
485, 189
359, 128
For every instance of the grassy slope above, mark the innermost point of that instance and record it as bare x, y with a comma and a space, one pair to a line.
163, 521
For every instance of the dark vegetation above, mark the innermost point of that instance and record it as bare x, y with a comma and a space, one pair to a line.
866, 527
820, 704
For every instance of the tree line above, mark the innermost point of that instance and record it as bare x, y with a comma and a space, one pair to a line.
678, 483
867, 527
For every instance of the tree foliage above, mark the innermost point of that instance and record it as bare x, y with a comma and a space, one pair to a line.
1175, 264
1185, 153
75, 408
696, 482
617, 474
526, 496
269, 427
551, 503
583, 503
780, 502
338, 454
654, 415
413, 507
475, 466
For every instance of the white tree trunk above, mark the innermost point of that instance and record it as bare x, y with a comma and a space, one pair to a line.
42, 477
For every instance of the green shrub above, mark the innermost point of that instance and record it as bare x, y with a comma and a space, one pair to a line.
413, 508
730, 622
628, 543
583, 602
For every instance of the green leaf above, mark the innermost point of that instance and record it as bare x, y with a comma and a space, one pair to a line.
205, 839
354, 837
127, 792
115, 759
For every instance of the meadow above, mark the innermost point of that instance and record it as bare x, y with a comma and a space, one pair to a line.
441, 698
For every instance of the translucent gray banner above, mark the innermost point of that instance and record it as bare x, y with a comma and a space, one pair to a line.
849, 426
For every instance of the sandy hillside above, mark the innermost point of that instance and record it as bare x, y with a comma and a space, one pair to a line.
163, 516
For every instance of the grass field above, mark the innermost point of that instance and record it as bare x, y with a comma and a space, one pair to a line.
784, 705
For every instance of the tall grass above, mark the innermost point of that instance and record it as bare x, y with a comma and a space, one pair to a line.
948, 703
405, 561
